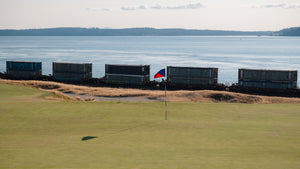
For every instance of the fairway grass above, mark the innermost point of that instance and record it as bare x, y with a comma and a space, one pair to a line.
38, 133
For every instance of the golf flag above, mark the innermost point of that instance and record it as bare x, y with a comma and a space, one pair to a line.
161, 73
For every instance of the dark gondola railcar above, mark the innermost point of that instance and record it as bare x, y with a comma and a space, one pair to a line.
268, 79
23, 70
72, 71
127, 74
192, 77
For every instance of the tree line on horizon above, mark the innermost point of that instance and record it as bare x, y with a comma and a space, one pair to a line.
76, 31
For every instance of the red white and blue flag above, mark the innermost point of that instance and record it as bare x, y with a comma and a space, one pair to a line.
160, 73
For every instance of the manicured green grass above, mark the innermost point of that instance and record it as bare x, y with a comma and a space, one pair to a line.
47, 134
11, 91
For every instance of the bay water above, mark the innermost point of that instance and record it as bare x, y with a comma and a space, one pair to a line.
228, 53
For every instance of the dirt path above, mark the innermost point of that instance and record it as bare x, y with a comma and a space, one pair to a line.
112, 99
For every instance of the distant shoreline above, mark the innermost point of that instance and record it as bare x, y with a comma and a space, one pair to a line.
127, 32
77, 31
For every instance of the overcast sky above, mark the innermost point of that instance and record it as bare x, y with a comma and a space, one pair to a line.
245, 15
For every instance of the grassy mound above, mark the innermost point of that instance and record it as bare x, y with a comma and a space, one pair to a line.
11, 91
204, 96
56, 134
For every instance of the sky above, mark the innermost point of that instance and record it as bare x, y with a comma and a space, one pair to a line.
245, 15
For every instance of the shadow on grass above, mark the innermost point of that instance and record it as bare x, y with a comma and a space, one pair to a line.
88, 138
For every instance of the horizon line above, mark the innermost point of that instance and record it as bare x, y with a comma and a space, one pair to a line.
106, 28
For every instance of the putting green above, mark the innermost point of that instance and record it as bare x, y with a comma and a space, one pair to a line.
38, 133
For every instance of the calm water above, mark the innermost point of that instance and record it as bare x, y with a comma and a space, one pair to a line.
226, 53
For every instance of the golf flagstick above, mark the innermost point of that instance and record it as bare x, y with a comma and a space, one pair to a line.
166, 106
159, 74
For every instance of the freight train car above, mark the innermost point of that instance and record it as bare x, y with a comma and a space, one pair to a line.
72, 71
127, 74
192, 77
269, 79
23, 70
